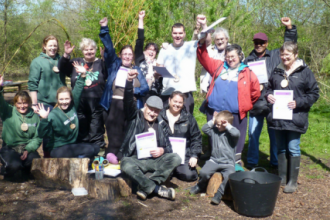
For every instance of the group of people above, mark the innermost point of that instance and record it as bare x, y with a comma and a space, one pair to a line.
72, 123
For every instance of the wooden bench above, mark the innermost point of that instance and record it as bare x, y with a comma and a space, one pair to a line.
15, 84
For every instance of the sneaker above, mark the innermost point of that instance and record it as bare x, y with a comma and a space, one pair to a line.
217, 198
142, 195
251, 166
168, 193
194, 190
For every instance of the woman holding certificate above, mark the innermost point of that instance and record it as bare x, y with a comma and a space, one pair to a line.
181, 124
113, 95
234, 87
19, 133
292, 75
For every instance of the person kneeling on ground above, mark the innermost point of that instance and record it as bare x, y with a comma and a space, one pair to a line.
19, 133
162, 162
224, 139
62, 125
181, 124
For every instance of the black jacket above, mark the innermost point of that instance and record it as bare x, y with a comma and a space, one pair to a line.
135, 125
272, 60
186, 127
305, 93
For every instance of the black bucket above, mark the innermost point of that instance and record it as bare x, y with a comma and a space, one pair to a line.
254, 193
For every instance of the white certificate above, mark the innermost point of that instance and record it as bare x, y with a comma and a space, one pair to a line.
121, 77
280, 107
259, 68
145, 142
210, 28
179, 147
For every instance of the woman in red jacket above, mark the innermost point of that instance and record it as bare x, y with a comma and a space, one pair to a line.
234, 87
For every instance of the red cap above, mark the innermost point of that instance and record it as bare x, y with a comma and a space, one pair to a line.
260, 36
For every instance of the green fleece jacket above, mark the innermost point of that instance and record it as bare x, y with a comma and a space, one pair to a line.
12, 120
44, 80
57, 125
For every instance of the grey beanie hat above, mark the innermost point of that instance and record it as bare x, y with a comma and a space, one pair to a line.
155, 102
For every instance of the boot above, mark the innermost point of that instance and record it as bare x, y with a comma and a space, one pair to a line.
282, 168
294, 163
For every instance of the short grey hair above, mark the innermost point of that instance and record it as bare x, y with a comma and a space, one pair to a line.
289, 46
220, 30
86, 42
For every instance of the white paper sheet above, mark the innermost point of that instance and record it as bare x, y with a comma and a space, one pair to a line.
108, 172
280, 107
210, 28
145, 142
179, 147
259, 68
121, 77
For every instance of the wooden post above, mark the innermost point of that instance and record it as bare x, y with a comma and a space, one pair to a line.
109, 188
61, 173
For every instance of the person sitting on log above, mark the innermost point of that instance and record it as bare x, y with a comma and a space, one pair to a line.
224, 139
161, 161
181, 124
19, 133
61, 125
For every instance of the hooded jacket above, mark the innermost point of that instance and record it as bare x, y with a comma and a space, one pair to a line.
273, 59
113, 63
186, 127
12, 133
44, 80
136, 125
248, 84
305, 93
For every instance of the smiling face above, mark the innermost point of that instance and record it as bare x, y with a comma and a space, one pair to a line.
22, 106
89, 53
221, 41
150, 113
260, 46
175, 104
178, 35
232, 59
288, 58
51, 48
150, 53
64, 100
126, 56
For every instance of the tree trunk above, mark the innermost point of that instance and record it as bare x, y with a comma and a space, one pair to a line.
214, 185
61, 173
109, 188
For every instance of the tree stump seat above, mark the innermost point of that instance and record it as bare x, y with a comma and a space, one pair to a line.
214, 184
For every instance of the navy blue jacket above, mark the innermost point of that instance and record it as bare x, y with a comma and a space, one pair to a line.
113, 63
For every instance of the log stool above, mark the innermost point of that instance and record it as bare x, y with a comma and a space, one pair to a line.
214, 184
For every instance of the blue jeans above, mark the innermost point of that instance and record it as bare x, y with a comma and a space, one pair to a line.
255, 126
288, 142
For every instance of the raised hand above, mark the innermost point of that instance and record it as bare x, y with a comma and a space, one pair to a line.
79, 69
224, 123
287, 22
67, 48
104, 22
132, 73
1, 79
165, 45
42, 111
202, 20
142, 14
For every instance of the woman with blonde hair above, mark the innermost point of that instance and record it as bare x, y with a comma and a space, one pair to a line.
61, 125
19, 133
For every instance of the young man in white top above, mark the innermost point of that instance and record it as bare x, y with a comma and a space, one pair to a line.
179, 58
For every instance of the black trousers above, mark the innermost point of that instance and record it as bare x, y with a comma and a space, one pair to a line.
188, 103
185, 173
115, 125
76, 150
91, 123
11, 160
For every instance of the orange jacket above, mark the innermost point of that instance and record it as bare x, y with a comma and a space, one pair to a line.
248, 83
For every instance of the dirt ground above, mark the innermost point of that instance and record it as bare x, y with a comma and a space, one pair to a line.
25, 200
